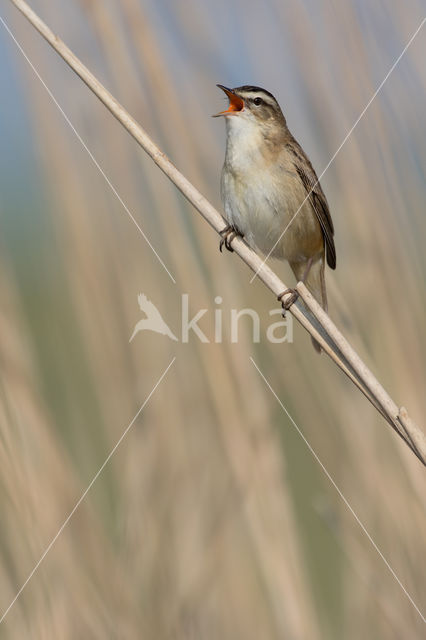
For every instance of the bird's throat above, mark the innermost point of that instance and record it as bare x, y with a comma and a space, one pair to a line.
244, 143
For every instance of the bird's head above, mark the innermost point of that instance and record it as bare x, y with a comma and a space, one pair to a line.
252, 105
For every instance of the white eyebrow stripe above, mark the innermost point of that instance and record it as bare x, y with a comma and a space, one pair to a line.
251, 95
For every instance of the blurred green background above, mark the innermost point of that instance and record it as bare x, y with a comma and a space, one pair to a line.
212, 519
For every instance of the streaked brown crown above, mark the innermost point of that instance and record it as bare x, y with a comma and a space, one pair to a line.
260, 102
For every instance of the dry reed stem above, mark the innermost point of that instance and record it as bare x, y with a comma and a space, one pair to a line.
327, 334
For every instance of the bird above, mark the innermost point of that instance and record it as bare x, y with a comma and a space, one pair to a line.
271, 194
153, 321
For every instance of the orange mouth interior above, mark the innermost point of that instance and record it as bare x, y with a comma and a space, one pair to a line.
235, 103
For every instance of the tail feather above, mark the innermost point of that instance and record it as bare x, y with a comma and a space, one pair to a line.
315, 283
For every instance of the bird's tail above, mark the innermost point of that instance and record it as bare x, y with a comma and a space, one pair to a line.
315, 283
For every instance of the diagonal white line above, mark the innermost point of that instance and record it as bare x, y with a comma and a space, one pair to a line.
315, 455
92, 157
344, 141
84, 494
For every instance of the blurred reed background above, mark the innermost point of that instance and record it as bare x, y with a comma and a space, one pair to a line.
212, 519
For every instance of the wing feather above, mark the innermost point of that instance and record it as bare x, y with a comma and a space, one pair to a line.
317, 198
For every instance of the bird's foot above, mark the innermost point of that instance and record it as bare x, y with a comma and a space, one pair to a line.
228, 234
286, 304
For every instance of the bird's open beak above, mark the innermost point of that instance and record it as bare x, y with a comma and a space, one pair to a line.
236, 103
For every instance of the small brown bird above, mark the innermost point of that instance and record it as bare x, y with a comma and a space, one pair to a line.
266, 179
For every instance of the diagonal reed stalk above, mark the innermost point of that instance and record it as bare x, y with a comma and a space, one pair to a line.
315, 320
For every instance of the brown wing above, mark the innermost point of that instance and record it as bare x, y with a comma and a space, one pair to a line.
316, 198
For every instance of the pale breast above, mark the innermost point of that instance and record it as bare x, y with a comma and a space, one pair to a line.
262, 204
263, 196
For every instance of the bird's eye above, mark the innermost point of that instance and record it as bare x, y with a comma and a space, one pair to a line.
257, 101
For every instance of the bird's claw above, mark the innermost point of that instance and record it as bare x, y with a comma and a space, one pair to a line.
286, 304
228, 234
